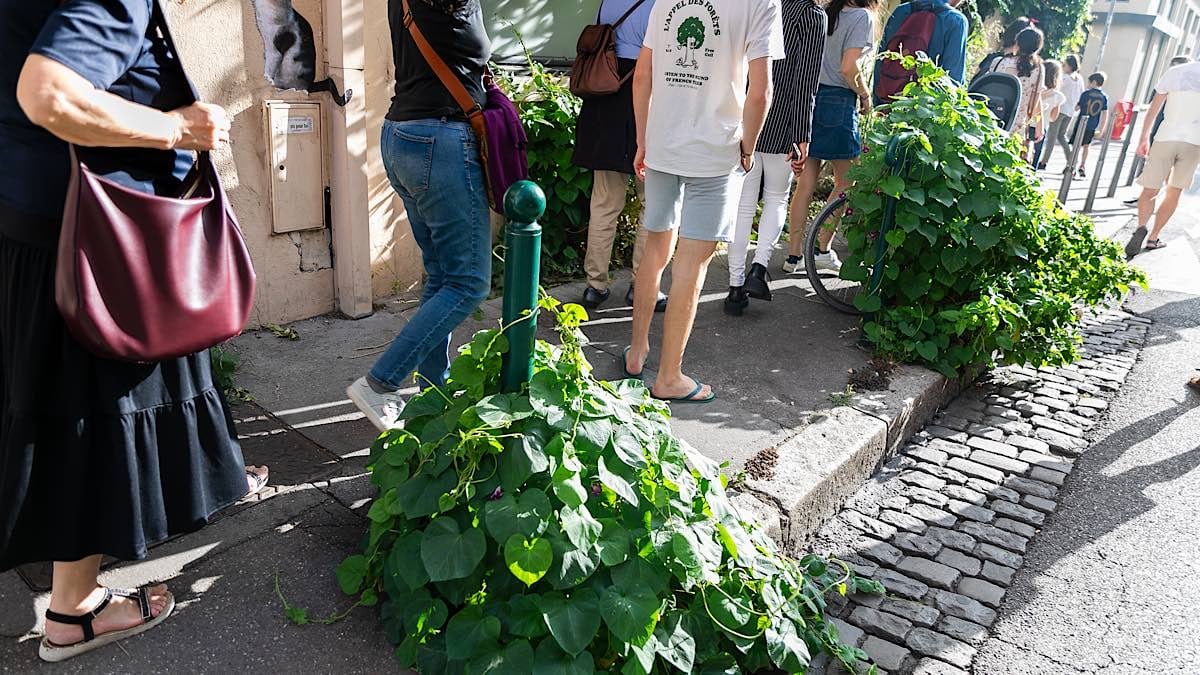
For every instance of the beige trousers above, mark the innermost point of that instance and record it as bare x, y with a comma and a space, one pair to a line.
609, 191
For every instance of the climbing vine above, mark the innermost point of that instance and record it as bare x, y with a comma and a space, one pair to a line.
565, 529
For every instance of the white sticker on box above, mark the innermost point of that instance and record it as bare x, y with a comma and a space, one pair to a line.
300, 125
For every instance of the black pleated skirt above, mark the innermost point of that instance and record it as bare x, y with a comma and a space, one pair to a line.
99, 456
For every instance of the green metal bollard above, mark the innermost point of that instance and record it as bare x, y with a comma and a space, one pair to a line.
524, 203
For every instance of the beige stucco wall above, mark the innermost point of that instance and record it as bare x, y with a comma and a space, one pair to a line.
223, 51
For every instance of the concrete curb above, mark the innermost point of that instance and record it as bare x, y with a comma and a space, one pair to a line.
830, 459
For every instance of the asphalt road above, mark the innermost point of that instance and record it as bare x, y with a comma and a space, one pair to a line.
1112, 583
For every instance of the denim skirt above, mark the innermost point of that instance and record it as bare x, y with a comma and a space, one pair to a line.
835, 125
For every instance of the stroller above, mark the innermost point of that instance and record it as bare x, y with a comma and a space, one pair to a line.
1001, 93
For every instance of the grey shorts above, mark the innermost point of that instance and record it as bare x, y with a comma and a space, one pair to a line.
704, 209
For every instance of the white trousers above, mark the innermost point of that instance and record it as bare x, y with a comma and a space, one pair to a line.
773, 173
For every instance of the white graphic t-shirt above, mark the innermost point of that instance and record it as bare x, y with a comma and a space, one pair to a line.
1181, 122
702, 53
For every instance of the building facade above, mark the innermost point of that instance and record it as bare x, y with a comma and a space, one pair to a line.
1144, 36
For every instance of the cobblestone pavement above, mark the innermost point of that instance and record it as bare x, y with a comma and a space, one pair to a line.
945, 524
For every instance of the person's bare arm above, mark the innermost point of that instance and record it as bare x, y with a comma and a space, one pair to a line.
643, 84
1156, 107
64, 103
758, 102
854, 77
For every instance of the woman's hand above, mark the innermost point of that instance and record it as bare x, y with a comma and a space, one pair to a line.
201, 126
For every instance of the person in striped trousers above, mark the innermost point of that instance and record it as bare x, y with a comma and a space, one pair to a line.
784, 139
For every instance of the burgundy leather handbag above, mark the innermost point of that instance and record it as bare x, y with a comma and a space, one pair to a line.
144, 277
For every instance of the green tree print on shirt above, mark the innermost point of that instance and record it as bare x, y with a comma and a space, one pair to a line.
690, 37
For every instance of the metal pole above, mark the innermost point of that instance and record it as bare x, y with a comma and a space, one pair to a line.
1072, 159
1112, 187
1135, 168
1112, 8
1095, 186
524, 203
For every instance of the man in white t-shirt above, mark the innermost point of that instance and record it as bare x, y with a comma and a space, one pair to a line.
1175, 155
701, 93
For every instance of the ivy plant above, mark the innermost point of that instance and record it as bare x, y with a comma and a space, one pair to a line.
548, 111
983, 264
564, 529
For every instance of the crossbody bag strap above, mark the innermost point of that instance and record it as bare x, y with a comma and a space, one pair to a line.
452, 84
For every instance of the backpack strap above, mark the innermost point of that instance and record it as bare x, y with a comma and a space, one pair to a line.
452, 84
626, 15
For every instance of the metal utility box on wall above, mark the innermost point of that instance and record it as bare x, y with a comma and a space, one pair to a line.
297, 166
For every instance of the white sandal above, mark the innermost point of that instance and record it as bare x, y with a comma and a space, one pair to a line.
53, 653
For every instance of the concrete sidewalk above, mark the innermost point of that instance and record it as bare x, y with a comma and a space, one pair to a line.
778, 370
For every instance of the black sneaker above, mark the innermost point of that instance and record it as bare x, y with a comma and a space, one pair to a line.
737, 301
793, 264
1081, 173
756, 285
593, 297
660, 305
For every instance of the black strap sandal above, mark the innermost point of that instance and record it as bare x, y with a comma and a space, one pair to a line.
53, 653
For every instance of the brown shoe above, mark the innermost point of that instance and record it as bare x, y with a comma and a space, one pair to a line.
1194, 383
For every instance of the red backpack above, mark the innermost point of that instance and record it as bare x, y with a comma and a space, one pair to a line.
913, 36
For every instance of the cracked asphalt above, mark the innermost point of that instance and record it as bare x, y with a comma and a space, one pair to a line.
1112, 583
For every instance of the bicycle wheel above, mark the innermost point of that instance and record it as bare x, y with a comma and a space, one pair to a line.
838, 293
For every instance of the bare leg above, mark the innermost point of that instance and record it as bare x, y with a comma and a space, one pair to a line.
654, 259
687, 278
1145, 207
1165, 210
76, 591
840, 184
806, 184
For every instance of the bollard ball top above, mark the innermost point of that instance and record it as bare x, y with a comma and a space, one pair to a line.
524, 202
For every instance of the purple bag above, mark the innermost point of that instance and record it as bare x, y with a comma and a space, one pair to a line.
502, 144
502, 140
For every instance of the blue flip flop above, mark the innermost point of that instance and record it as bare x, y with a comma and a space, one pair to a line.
625, 365
690, 398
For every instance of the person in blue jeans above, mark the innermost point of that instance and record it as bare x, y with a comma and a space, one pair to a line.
431, 157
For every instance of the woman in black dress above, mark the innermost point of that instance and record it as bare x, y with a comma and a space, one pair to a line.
96, 456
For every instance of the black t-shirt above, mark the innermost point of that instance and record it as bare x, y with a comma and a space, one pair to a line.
110, 43
455, 29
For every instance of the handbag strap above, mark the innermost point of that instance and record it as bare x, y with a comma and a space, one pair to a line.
452, 84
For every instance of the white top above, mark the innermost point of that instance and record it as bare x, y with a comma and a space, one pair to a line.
702, 53
1052, 98
1181, 124
1072, 87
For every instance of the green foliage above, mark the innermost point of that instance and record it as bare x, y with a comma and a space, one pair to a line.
225, 364
564, 529
548, 111
983, 263
1063, 22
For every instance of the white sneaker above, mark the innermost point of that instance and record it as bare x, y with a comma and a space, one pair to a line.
793, 264
828, 261
382, 410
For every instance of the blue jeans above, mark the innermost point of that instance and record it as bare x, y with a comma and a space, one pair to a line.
434, 166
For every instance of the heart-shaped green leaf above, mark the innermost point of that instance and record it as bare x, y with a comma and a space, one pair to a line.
528, 559
448, 553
